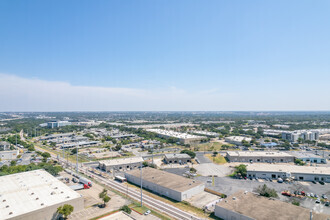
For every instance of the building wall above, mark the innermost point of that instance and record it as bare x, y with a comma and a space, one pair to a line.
297, 176
259, 159
119, 167
49, 212
9, 155
313, 160
228, 214
177, 160
170, 193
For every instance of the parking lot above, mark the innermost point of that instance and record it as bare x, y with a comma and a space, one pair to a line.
229, 185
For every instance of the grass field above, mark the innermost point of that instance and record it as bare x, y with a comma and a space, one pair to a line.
218, 159
214, 146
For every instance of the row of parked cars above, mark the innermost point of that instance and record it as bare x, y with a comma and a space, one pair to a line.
301, 194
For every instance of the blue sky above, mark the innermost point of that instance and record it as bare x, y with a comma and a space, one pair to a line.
173, 55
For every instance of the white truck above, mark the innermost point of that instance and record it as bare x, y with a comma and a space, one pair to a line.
85, 181
79, 186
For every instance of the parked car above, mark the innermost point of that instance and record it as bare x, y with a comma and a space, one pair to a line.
280, 180
318, 201
147, 212
312, 194
74, 180
314, 182
324, 196
321, 182
327, 203
308, 194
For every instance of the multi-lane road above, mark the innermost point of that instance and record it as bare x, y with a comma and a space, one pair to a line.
153, 203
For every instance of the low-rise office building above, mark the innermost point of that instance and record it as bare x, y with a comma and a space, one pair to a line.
35, 195
56, 124
249, 206
167, 184
259, 157
237, 140
121, 164
9, 154
293, 136
302, 173
177, 158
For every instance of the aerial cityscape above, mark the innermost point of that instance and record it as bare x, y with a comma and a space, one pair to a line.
159, 110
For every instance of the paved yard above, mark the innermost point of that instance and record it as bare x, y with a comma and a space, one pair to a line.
207, 169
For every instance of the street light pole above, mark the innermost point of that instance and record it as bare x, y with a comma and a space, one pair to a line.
141, 183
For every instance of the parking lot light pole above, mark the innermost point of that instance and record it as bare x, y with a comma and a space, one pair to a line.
141, 183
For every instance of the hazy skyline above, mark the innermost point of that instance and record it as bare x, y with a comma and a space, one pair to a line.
164, 55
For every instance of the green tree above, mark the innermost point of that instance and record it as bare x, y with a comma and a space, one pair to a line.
241, 170
74, 151
13, 163
265, 191
104, 196
65, 210
106, 199
126, 209
215, 154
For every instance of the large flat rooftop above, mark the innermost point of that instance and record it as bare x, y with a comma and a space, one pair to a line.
288, 169
258, 154
259, 207
175, 134
30, 191
174, 156
121, 161
165, 179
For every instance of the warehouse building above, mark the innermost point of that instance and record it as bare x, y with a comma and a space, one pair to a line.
249, 206
121, 164
183, 138
237, 140
35, 195
302, 173
177, 158
9, 154
259, 157
308, 157
166, 184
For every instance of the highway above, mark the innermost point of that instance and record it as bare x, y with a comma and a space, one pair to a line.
153, 203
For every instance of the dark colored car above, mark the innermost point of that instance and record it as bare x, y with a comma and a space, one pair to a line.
321, 182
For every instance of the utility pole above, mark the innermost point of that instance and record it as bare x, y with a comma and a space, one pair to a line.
141, 183
77, 160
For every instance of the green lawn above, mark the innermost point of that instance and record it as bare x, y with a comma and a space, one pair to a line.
218, 159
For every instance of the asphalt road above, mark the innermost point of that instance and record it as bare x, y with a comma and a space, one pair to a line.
201, 158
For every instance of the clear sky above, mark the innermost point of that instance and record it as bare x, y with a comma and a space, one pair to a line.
68, 55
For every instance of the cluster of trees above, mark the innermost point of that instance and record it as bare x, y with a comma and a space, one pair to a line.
265, 191
12, 139
189, 152
126, 209
50, 168
299, 162
240, 170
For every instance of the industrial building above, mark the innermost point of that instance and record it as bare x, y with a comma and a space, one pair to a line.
81, 144
167, 184
121, 164
35, 195
9, 154
308, 157
249, 206
259, 156
237, 140
54, 137
206, 133
303, 173
56, 124
177, 158
4, 145
183, 138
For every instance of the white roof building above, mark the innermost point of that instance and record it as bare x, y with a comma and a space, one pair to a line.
35, 195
